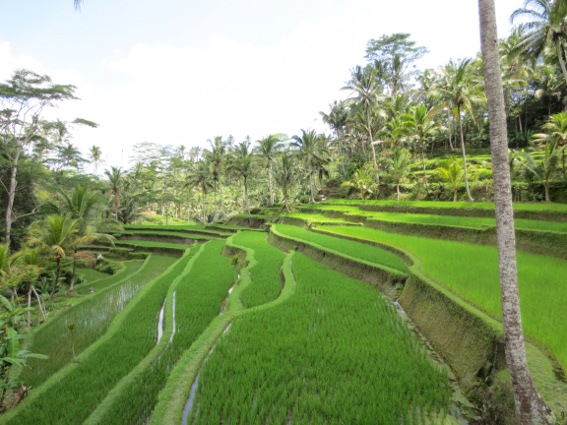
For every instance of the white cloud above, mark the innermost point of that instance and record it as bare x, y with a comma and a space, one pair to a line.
188, 91
10, 62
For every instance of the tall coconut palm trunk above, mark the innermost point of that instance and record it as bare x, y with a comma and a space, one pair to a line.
561, 57
311, 187
464, 153
530, 408
246, 205
270, 183
423, 164
374, 160
10, 207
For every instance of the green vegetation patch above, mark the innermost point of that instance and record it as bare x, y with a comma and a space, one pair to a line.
198, 297
310, 218
153, 244
266, 282
96, 371
75, 329
535, 210
354, 249
167, 234
335, 352
444, 220
179, 229
471, 272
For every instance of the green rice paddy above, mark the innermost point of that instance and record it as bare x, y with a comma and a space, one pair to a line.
153, 244
90, 319
199, 294
471, 272
325, 349
438, 220
335, 352
266, 283
87, 381
354, 249
519, 206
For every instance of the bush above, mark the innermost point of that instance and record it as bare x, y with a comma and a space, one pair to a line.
105, 266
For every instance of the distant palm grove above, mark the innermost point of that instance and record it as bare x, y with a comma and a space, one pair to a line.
399, 133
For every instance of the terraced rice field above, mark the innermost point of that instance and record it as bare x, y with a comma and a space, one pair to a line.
311, 360
90, 319
471, 272
266, 274
283, 340
432, 219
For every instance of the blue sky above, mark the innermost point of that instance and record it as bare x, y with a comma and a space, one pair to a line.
181, 72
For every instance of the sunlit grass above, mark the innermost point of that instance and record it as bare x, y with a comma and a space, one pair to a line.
350, 248
471, 271
87, 382
266, 284
335, 352
89, 320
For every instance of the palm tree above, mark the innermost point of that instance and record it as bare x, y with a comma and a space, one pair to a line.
530, 408
452, 172
9, 279
395, 126
216, 158
367, 91
267, 148
363, 181
240, 162
285, 176
460, 90
516, 74
545, 169
84, 205
199, 177
95, 155
312, 148
399, 168
115, 178
420, 127
337, 118
56, 234
555, 134
547, 28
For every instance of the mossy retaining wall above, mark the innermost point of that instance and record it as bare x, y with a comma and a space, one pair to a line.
471, 345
